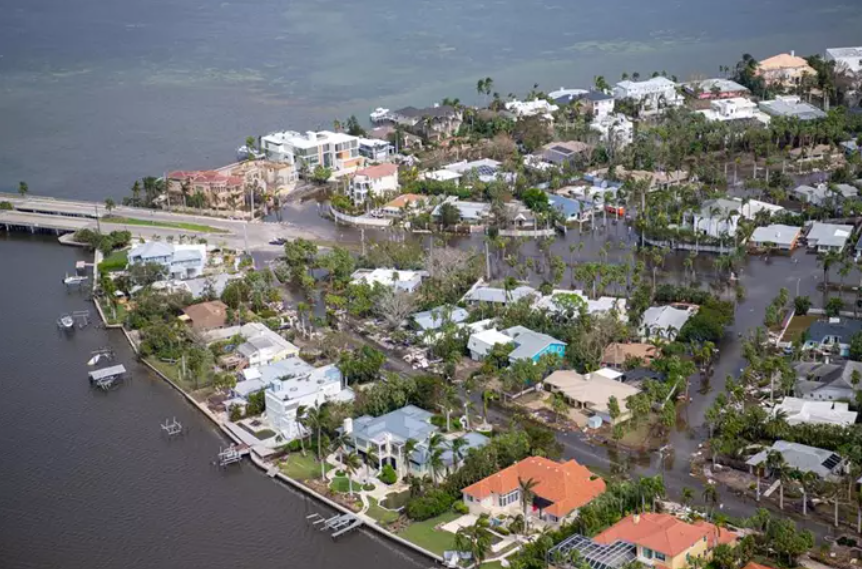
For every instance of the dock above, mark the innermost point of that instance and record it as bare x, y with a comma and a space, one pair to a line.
107, 377
338, 524
231, 455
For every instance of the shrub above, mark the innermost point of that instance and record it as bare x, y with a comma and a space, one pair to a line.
368, 487
235, 412
801, 304
388, 475
6, 205
433, 503
834, 306
460, 507
339, 472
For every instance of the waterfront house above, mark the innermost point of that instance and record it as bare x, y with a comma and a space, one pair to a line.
614, 129
821, 462
751, 208
661, 180
560, 490
736, 109
206, 315
374, 181
825, 237
712, 89
798, 411
847, 59
784, 69
404, 281
832, 381
717, 218
261, 345
572, 211
481, 292
386, 436
180, 261
484, 170
591, 392
616, 354
469, 212
791, 106
217, 189
438, 317
599, 104
781, 237
536, 107
563, 96
375, 150
404, 204
665, 322
654, 94
433, 123
442, 175
310, 389
334, 150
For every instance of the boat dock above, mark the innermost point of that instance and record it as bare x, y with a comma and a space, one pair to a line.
106, 377
231, 455
339, 524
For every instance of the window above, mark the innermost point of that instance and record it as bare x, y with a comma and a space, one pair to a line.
510, 498
659, 556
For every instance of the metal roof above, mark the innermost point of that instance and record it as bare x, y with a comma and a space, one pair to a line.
528, 343
107, 372
801, 457
436, 317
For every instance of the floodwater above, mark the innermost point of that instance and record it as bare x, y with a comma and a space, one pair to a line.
94, 94
88, 480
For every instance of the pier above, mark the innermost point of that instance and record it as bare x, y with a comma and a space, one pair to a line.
107, 377
339, 524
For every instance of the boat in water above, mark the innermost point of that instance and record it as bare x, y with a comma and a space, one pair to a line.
94, 360
379, 114
65, 322
74, 280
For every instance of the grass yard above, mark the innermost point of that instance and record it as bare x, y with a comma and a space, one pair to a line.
492, 565
341, 485
798, 326
641, 436
301, 467
168, 224
114, 262
119, 309
424, 535
383, 517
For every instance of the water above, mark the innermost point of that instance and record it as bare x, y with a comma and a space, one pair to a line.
88, 480
95, 95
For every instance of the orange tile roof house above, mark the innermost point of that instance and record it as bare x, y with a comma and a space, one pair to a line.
665, 541
784, 69
404, 202
561, 489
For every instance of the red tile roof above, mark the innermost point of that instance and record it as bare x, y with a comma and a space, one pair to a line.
568, 485
664, 533
378, 171
405, 199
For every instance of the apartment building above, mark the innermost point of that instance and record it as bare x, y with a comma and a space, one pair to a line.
334, 150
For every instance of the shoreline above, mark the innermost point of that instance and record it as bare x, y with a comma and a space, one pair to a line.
259, 462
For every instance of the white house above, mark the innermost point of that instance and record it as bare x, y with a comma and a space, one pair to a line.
532, 108
825, 237
312, 389
560, 301
335, 150
375, 150
804, 411
406, 281
653, 94
846, 58
614, 129
263, 345
665, 322
481, 343
717, 218
738, 108
374, 181
442, 175
181, 261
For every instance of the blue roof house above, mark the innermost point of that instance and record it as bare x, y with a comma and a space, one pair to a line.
573, 211
532, 345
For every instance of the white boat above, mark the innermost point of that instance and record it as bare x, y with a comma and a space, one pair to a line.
73, 280
66, 322
379, 114
94, 360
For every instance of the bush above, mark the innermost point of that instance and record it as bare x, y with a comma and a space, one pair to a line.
388, 475
433, 503
6, 205
460, 507
368, 487
802, 304
235, 413
339, 472
834, 306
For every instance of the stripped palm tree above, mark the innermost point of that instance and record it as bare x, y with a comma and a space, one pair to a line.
352, 464
526, 487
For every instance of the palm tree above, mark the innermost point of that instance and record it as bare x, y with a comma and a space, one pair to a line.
407, 451
316, 418
23, 188
352, 464
827, 261
436, 464
372, 458
302, 419
527, 494
710, 496
110, 204
457, 447
475, 539
778, 468
687, 496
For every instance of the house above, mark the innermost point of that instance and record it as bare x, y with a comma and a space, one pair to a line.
218, 190
824, 463
562, 302
181, 261
480, 292
211, 285
592, 392
565, 152
798, 411
387, 435
437, 317
735, 109
823, 194
207, 315
662, 540
375, 150
653, 94
825, 237
536, 107
599, 104
563, 96
374, 181
481, 343
828, 381
405, 203
484, 170
717, 218
751, 208
826, 335
334, 150
847, 59
469, 212
572, 211
530, 345
405, 281
785, 69
560, 490
615, 129
661, 180
442, 175
791, 106
262, 345
617, 354
781, 237
264, 175
637, 376
286, 394
439, 121
712, 89
665, 322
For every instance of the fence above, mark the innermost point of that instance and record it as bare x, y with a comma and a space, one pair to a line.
360, 221
697, 247
528, 232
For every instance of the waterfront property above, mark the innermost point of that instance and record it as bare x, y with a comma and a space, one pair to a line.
825, 237
181, 261
791, 106
468, 212
375, 150
654, 94
404, 281
480, 293
592, 392
821, 462
374, 181
735, 109
569, 303
614, 129
206, 315
334, 150
716, 89
781, 237
717, 218
404, 204
560, 490
433, 123
784, 69
798, 411
829, 381
536, 107
665, 322
226, 188
261, 345
572, 211
847, 59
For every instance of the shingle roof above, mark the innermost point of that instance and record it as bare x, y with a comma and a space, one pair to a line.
409, 422
378, 171
207, 314
663, 533
435, 318
568, 485
567, 206
528, 342
801, 457
844, 329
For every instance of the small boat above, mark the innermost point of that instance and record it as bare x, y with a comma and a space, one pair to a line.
73, 280
94, 360
379, 114
66, 322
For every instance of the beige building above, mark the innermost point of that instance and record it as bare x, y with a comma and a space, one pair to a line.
592, 392
228, 187
785, 69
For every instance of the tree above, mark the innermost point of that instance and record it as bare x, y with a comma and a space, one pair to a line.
802, 305
316, 418
23, 189
354, 128
527, 494
687, 496
856, 347
475, 539
710, 496
449, 215
834, 306
778, 468
394, 306
352, 464
613, 408
361, 365
321, 174
535, 199
110, 204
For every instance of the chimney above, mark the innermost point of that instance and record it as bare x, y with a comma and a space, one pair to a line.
793, 53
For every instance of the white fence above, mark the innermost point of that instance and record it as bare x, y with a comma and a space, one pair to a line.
528, 232
361, 221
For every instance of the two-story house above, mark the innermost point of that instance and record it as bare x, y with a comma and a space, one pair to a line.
180, 261
334, 150
374, 181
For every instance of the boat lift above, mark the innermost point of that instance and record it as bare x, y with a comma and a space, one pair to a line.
338, 524
231, 455
172, 427
107, 377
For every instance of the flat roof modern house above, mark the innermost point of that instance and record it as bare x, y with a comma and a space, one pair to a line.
335, 150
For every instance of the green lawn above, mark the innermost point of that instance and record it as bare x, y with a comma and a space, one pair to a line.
120, 310
341, 485
424, 535
798, 326
301, 467
169, 224
492, 565
383, 517
116, 261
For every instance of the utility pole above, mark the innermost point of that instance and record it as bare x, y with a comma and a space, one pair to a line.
98, 222
362, 232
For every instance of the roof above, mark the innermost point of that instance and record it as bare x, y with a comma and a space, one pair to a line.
663, 533
804, 411
782, 61
658, 81
300, 386
776, 233
723, 205
436, 317
724, 86
378, 171
442, 175
597, 555
484, 293
107, 372
483, 167
387, 277
409, 422
616, 353
152, 249
528, 343
832, 377
288, 367
468, 210
593, 390
804, 458
665, 318
440, 111
829, 234
640, 374
567, 147
567, 206
792, 107
405, 199
568, 485
602, 304
211, 314
844, 52
489, 337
